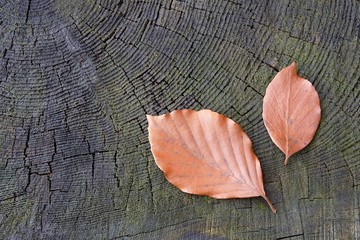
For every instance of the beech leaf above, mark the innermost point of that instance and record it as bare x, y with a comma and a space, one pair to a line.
206, 153
291, 111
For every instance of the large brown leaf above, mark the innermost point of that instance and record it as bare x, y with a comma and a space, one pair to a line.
291, 111
206, 153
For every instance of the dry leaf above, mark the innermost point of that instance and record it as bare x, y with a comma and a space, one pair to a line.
291, 111
206, 153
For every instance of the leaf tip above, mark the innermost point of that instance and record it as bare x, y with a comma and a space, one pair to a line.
293, 67
150, 118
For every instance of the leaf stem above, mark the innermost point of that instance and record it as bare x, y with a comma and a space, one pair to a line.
286, 159
269, 203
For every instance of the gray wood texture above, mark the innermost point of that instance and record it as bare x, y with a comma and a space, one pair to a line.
78, 77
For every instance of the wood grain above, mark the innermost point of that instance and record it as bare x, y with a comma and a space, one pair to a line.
77, 79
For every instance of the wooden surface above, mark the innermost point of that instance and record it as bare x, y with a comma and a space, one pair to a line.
78, 77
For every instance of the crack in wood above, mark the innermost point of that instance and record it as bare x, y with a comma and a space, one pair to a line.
27, 11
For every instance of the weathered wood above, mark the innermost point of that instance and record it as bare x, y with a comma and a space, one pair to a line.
78, 77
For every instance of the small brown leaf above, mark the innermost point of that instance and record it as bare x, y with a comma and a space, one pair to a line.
206, 153
291, 111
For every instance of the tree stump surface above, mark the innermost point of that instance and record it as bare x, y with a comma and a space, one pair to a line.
77, 79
